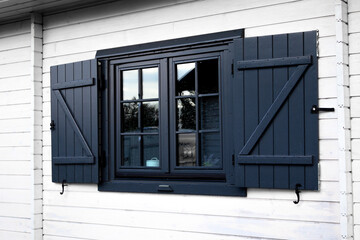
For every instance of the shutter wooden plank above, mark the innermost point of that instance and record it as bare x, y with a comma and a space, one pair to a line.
54, 135
251, 107
276, 160
87, 117
267, 63
94, 116
73, 83
70, 135
281, 173
78, 114
311, 129
265, 100
62, 125
296, 114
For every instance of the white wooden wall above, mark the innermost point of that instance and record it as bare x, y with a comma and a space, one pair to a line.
84, 213
354, 49
15, 128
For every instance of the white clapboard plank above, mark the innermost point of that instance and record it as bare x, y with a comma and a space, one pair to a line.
15, 28
15, 139
14, 235
355, 86
355, 128
193, 223
15, 224
46, 104
46, 76
235, 11
326, 46
356, 170
47, 137
52, 231
327, 129
329, 170
356, 192
15, 69
15, 55
14, 42
328, 191
15, 125
354, 62
46, 152
13, 112
328, 149
355, 107
14, 83
15, 97
354, 22
22, 153
356, 215
356, 229
325, 25
14, 182
15, 167
327, 87
327, 67
15, 196
234, 206
355, 149
354, 43
20, 210
354, 6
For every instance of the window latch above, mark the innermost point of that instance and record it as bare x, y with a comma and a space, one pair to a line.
165, 188
316, 109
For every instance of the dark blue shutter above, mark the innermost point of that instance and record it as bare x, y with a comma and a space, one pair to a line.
276, 135
74, 116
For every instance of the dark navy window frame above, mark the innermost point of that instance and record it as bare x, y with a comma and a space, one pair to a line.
165, 54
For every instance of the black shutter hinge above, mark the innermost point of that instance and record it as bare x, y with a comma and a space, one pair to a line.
232, 68
233, 160
101, 77
316, 109
102, 159
52, 125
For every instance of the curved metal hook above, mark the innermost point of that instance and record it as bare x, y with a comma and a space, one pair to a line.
63, 185
297, 192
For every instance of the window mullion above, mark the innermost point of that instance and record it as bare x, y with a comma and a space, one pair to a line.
197, 143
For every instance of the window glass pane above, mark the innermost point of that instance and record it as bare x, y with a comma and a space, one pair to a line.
210, 150
150, 116
209, 112
208, 76
130, 84
131, 151
186, 114
150, 77
130, 117
185, 79
186, 150
151, 150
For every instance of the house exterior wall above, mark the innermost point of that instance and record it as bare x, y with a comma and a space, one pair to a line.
15, 128
85, 213
354, 63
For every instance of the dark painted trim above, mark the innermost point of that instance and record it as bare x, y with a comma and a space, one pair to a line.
274, 62
275, 160
175, 187
173, 43
73, 84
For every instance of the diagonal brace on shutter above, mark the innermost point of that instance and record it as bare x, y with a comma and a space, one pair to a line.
89, 158
272, 111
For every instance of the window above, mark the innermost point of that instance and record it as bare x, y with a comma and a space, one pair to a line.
211, 114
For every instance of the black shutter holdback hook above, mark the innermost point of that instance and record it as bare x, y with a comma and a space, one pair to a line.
297, 192
63, 185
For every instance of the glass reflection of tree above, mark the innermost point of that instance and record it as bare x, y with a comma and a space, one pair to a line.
150, 113
187, 114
